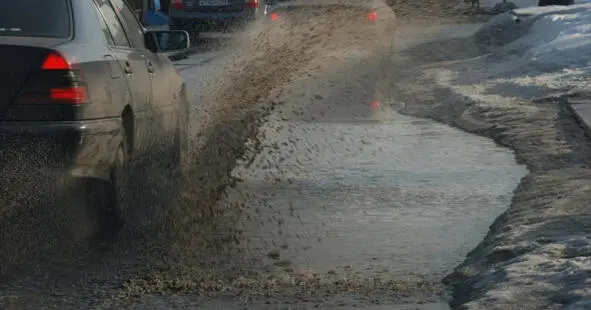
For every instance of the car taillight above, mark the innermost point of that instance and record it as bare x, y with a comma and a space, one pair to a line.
73, 95
372, 16
251, 4
178, 4
57, 80
55, 61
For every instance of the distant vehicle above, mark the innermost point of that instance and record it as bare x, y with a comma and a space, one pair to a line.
374, 13
87, 89
195, 16
372, 21
368, 10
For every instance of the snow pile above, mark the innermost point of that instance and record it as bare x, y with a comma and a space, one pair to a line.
557, 39
538, 254
487, 4
518, 3
538, 51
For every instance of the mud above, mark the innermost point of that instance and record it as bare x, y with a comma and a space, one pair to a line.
533, 256
185, 247
176, 240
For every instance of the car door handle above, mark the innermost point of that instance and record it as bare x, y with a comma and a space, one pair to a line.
150, 67
127, 68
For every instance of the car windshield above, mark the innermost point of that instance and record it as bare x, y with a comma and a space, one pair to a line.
35, 18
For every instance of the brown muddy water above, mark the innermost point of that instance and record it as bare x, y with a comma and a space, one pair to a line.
342, 207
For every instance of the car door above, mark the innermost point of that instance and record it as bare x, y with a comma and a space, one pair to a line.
163, 105
133, 64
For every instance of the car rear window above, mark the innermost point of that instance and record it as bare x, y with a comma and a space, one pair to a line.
35, 18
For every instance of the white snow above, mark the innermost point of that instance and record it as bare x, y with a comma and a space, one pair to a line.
560, 39
518, 3
548, 52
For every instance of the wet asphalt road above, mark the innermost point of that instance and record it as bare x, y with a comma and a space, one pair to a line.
342, 206
338, 188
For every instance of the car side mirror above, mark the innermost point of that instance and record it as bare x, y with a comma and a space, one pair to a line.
167, 41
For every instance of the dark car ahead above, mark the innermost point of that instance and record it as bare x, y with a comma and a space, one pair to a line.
86, 89
337, 24
196, 16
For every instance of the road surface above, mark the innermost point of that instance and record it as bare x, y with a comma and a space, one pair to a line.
337, 203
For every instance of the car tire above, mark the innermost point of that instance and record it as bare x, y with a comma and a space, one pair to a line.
108, 196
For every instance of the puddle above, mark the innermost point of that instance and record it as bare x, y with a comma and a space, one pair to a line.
403, 196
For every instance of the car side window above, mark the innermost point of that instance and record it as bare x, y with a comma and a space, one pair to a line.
113, 24
129, 19
104, 28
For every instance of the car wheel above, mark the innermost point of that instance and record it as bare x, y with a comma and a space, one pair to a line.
108, 197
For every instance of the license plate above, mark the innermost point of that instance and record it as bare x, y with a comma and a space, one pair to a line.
213, 2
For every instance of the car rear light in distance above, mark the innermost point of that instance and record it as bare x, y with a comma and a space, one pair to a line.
251, 4
178, 4
373, 16
57, 81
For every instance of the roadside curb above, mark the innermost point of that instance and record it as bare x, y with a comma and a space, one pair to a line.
580, 108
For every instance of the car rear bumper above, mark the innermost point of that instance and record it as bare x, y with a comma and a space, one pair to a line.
77, 148
213, 21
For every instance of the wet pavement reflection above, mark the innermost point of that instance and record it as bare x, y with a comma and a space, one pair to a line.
337, 191
407, 196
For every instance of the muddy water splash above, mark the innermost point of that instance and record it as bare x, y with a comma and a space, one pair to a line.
206, 250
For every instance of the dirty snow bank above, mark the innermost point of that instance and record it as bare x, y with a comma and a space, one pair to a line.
558, 39
518, 3
547, 42
537, 255
492, 3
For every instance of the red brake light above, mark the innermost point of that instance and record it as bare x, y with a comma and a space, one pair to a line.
251, 4
55, 61
274, 16
178, 4
375, 105
59, 81
372, 16
72, 95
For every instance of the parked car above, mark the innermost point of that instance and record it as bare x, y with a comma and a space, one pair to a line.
88, 89
197, 16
